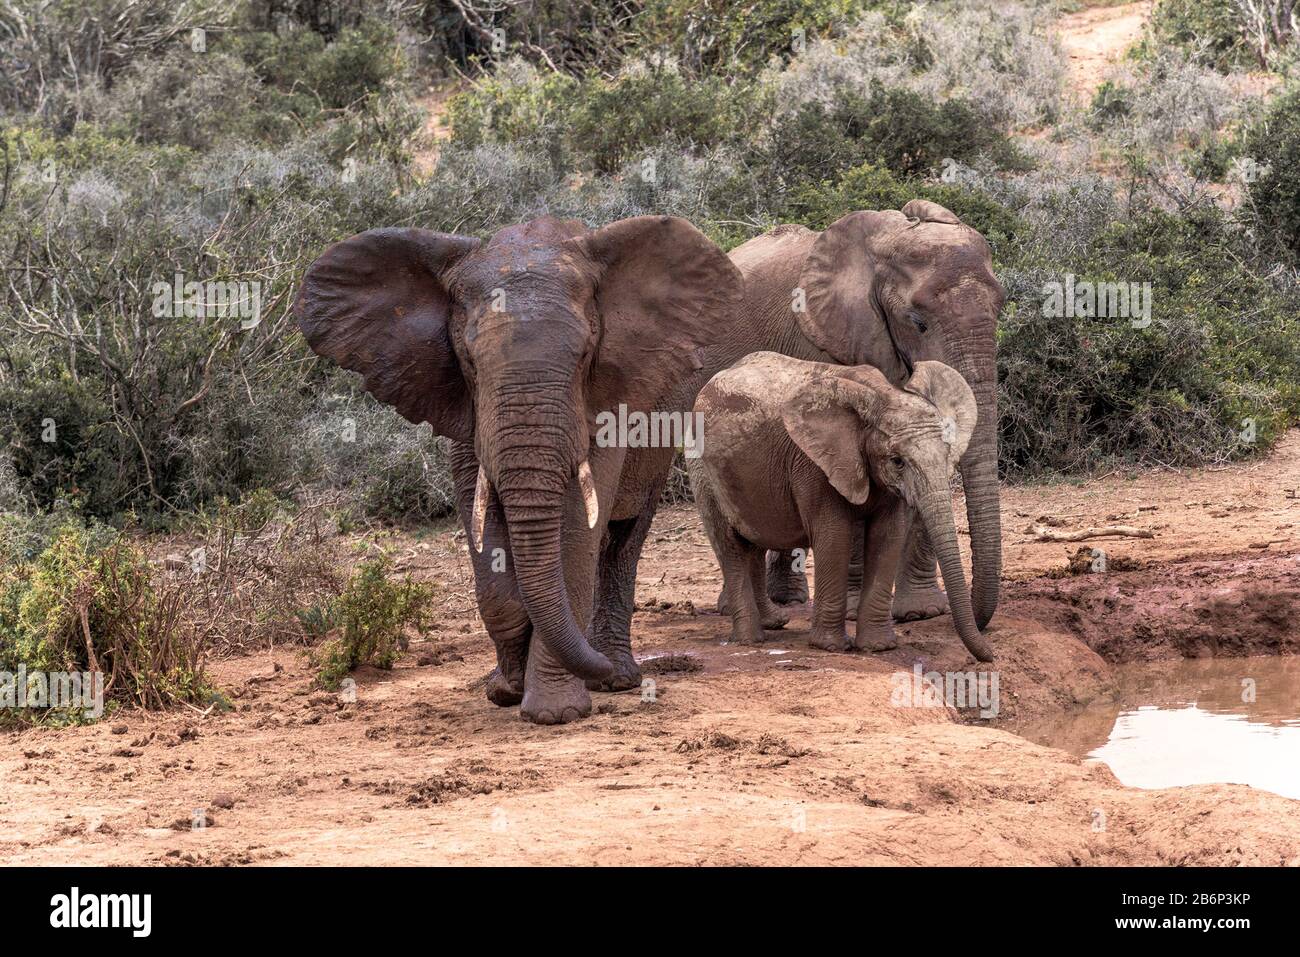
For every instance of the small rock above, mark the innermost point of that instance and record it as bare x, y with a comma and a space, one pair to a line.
223, 800
120, 729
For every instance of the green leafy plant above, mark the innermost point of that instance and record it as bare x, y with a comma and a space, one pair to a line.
370, 616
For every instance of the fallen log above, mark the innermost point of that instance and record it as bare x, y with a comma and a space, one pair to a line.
1044, 534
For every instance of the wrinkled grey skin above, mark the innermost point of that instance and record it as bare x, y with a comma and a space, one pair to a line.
512, 349
799, 453
888, 289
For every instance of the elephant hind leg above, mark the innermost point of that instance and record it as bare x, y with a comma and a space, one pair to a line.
769, 613
786, 582
741, 562
917, 594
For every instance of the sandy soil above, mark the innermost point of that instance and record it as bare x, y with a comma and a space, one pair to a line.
1096, 38
771, 754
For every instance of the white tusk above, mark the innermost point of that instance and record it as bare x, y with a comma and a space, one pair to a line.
588, 485
482, 492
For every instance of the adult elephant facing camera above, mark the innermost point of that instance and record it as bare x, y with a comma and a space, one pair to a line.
511, 348
890, 289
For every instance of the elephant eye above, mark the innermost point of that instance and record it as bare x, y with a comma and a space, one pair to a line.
896, 461
917, 321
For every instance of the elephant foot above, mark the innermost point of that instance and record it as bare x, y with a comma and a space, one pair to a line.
875, 637
786, 586
829, 639
747, 632
913, 605
626, 676
501, 692
774, 618
556, 704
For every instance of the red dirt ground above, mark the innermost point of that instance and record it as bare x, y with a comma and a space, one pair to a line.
775, 754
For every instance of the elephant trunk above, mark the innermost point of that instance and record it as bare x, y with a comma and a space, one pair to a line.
979, 475
536, 533
936, 514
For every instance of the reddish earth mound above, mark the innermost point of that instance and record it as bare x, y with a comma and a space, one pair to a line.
1227, 606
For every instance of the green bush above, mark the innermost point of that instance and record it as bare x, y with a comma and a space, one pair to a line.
370, 616
1214, 375
1212, 31
720, 36
871, 186
1274, 146
89, 601
897, 128
601, 124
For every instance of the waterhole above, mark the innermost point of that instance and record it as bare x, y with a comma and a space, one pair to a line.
1199, 721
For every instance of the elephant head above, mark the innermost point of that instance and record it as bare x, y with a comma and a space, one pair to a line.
892, 289
861, 430
516, 345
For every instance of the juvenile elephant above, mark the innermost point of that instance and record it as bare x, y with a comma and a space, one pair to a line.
888, 289
798, 453
512, 348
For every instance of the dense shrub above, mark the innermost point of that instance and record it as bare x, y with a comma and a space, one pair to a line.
601, 124
89, 602
895, 128
1274, 146
1210, 31
999, 55
1211, 377
719, 36
370, 616
873, 187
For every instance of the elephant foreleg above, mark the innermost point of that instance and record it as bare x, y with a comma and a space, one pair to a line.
855, 573
615, 597
883, 544
917, 593
499, 602
832, 545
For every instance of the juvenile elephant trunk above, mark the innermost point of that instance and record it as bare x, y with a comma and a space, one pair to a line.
536, 533
936, 514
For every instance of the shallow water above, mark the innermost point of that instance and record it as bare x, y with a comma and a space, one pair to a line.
1201, 721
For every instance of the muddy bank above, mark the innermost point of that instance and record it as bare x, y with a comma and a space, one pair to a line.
1227, 606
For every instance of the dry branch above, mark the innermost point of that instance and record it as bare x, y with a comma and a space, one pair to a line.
1044, 534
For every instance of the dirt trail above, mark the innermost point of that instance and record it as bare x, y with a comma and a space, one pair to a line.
1095, 40
774, 754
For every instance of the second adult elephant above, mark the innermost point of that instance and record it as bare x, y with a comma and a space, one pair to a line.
890, 289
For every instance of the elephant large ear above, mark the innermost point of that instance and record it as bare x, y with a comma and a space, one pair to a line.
944, 388
840, 281
378, 304
664, 293
826, 421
